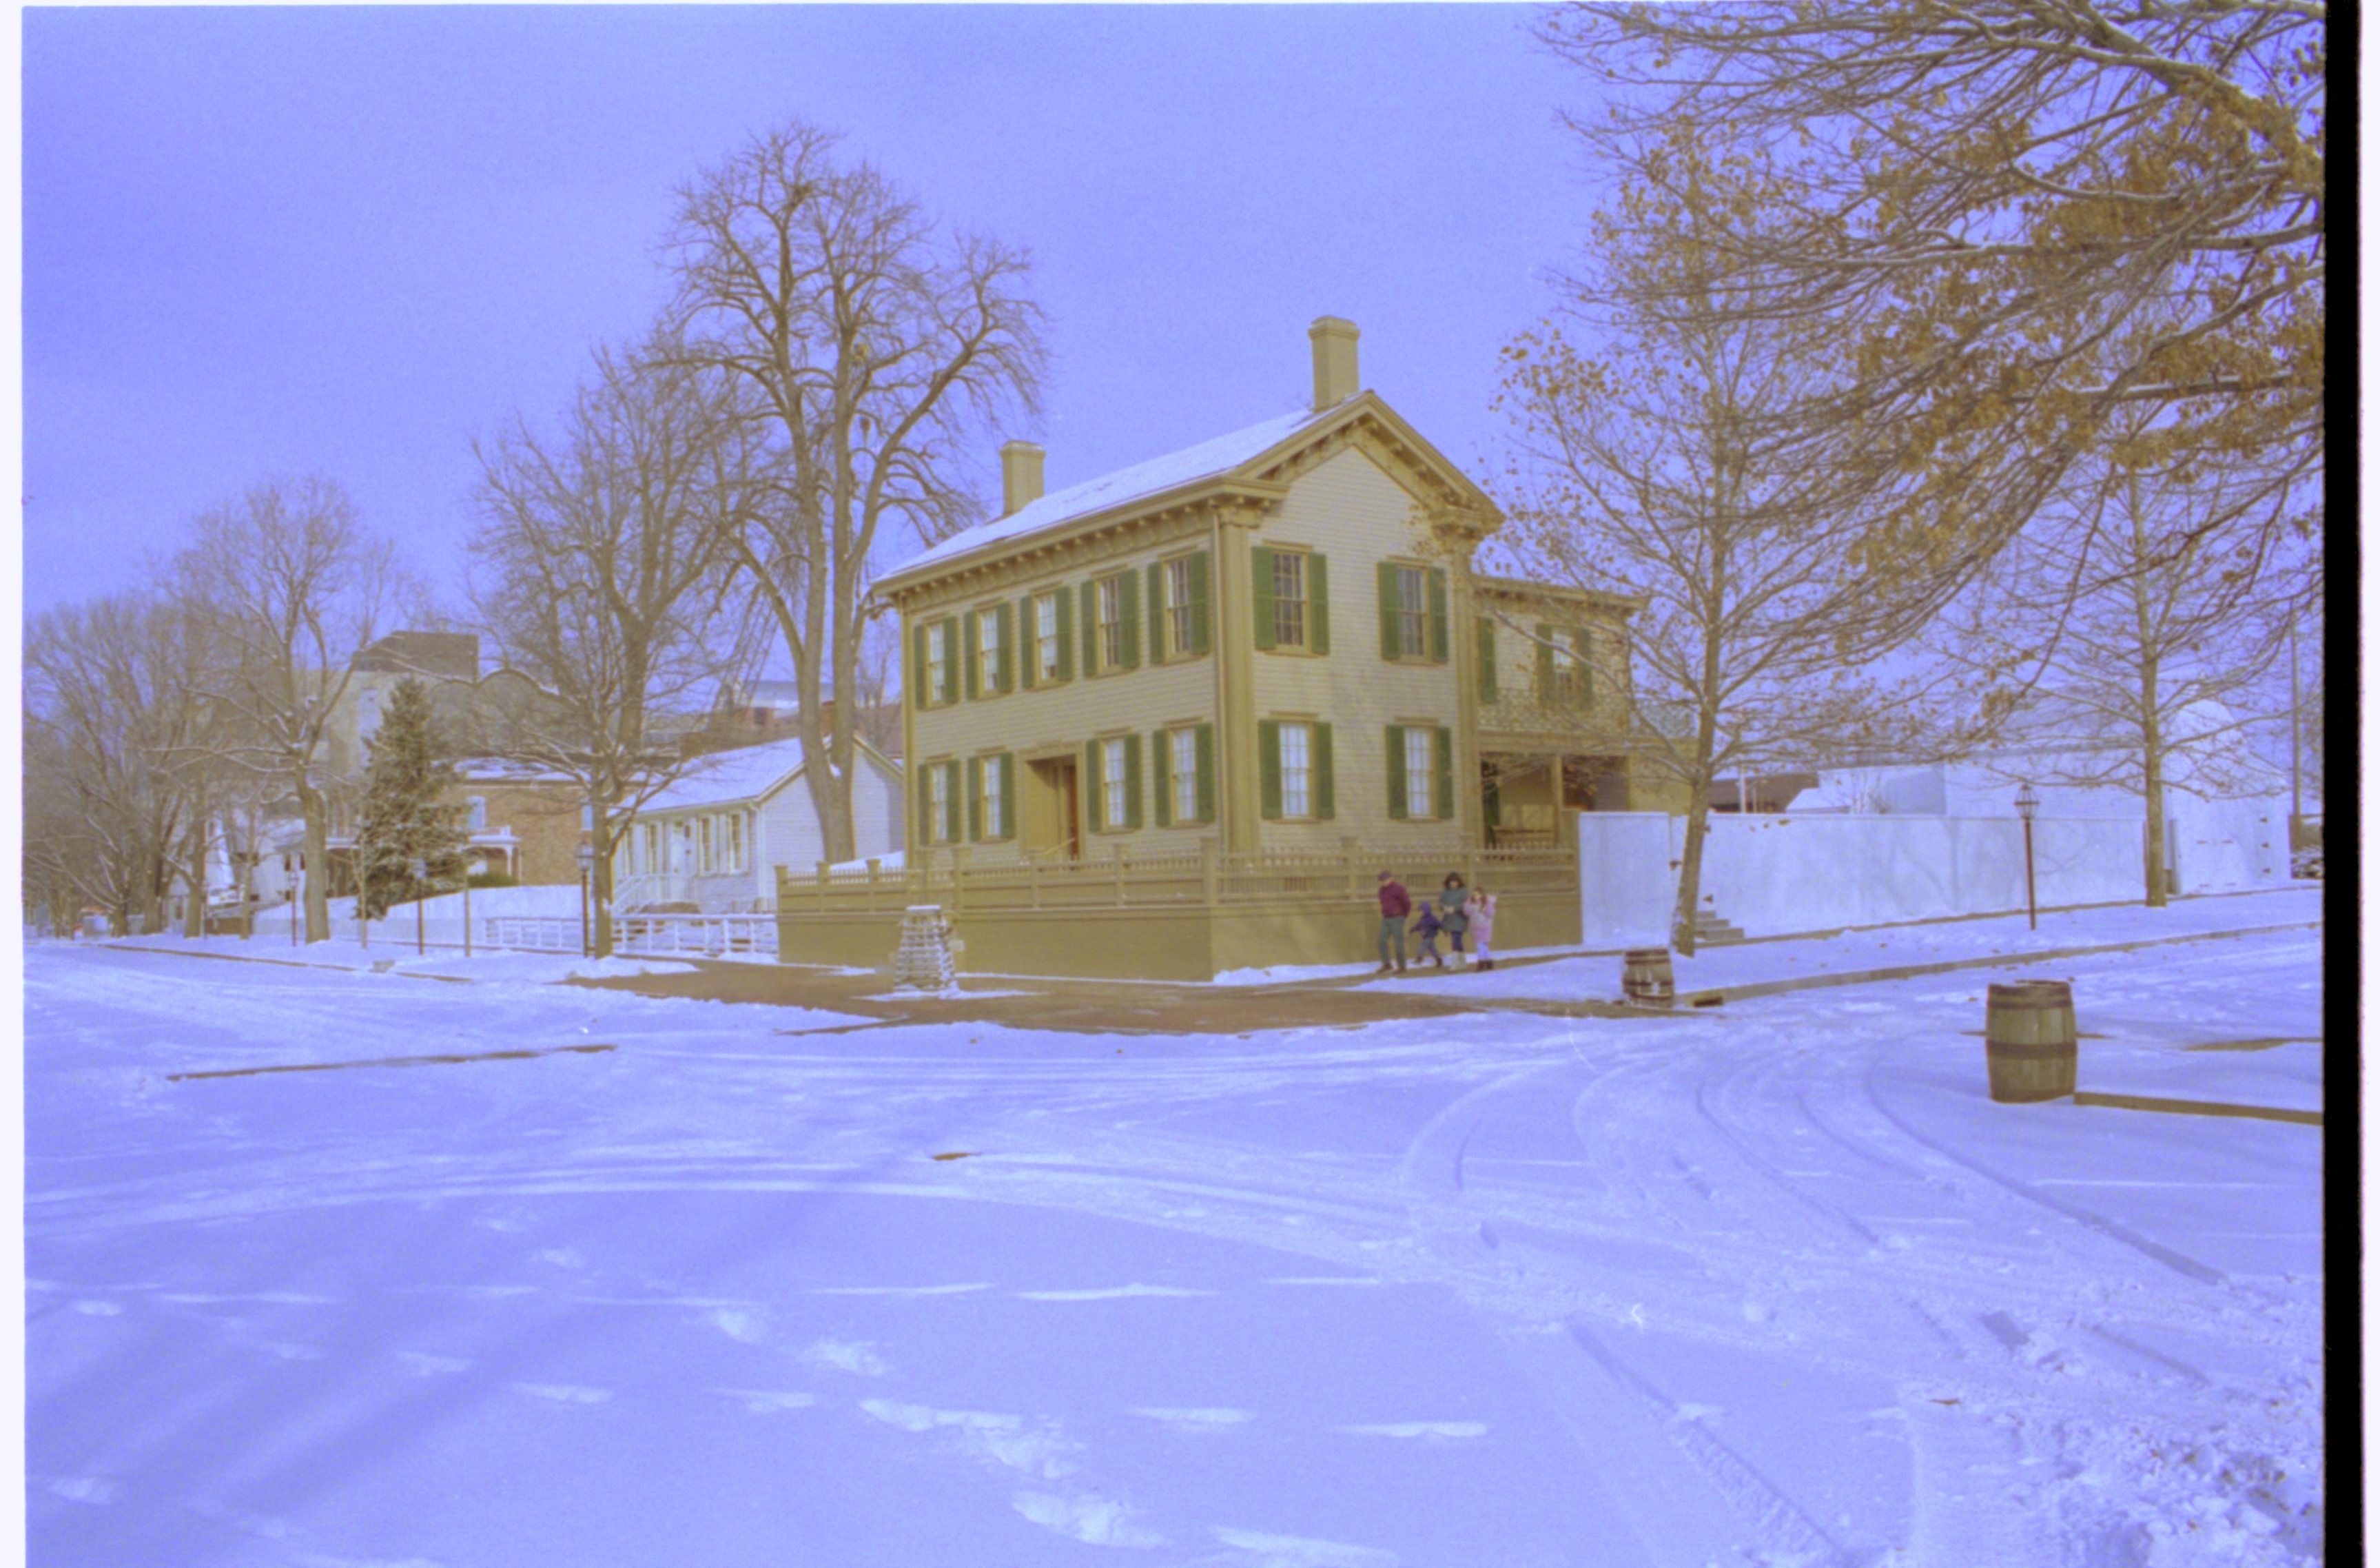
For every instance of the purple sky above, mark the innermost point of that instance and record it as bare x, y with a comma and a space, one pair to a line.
278, 239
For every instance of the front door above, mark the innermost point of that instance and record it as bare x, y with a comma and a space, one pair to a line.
1053, 810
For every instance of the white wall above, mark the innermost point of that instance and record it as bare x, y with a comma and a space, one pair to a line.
1772, 875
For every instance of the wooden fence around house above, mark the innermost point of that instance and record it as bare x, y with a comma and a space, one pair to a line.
1209, 878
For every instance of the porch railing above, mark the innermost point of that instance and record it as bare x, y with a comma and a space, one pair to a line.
1209, 877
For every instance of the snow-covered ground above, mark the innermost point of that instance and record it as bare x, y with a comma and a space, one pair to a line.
1768, 1285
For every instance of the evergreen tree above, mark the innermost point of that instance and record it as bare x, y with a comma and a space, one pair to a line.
403, 818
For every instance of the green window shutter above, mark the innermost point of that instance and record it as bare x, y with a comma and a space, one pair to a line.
925, 801
1491, 800
1004, 638
1095, 795
1580, 640
1201, 639
1396, 773
1487, 659
1445, 791
1544, 662
1392, 644
1206, 772
1318, 603
1028, 668
1007, 795
1128, 586
1261, 579
1325, 802
1066, 633
1269, 768
975, 800
918, 695
949, 692
1090, 597
1132, 790
1439, 648
1157, 648
970, 666
1161, 757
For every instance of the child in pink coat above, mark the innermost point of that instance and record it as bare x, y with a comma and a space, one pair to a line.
1483, 927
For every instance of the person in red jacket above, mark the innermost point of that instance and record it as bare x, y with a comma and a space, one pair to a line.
1395, 904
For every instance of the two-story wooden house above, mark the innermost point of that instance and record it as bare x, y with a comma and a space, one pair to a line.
1174, 720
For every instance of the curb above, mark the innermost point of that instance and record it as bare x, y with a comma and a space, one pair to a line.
1718, 994
2196, 1107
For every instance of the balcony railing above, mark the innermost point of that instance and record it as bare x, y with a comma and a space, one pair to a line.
1520, 711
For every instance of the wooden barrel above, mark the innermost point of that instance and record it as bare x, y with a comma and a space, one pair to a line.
2029, 1040
1646, 978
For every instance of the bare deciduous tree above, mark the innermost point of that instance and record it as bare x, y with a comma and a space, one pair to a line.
874, 345
2140, 623
1657, 470
117, 755
1981, 200
295, 585
599, 572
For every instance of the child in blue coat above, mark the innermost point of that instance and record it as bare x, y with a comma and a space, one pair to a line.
1426, 927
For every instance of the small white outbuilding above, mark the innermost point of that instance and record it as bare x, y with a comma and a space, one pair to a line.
714, 839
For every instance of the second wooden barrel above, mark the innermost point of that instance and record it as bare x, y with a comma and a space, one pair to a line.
2029, 1040
1646, 978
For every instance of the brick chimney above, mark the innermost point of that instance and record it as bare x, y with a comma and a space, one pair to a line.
1020, 476
1334, 361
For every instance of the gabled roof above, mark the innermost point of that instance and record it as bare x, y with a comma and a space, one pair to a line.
746, 773
1243, 455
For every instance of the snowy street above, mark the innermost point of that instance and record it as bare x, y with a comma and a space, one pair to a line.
1773, 1284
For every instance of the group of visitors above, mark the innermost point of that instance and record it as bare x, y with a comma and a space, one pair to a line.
1458, 912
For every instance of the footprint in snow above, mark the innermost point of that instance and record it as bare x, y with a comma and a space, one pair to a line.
562, 1257
1111, 1293
421, 1364
98, 1308
1420, 1430
744, 1325
1213, 1419
564, 1393
97, 1491
1268, 1551
768, 1401
848, 1355
1096, 1521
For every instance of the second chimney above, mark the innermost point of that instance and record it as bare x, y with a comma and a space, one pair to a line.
1020, 476
1334, 361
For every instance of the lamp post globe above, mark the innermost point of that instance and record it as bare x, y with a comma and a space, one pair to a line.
2027, 803
585, 927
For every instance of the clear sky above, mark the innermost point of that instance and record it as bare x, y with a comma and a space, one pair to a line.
278, 239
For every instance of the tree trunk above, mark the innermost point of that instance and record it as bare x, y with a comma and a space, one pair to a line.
599, 877
194, 918
316, 812
2152, 787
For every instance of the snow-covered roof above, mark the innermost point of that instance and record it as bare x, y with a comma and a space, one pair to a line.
1209, 459
723, 778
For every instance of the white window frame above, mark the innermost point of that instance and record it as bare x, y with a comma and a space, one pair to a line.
1046, 648
475, 813
1183, 769
938, 660
938, 803
1296, 776
1420, 763
1292, 612
987, 652
995, 805
735, 844
705, 851
1115, 783
1413, 612
1107, 598
1177, 607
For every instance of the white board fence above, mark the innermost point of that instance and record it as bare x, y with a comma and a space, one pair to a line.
1774, 875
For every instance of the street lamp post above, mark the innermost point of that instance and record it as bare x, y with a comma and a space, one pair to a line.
2027, 803
585, 875
421, 869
